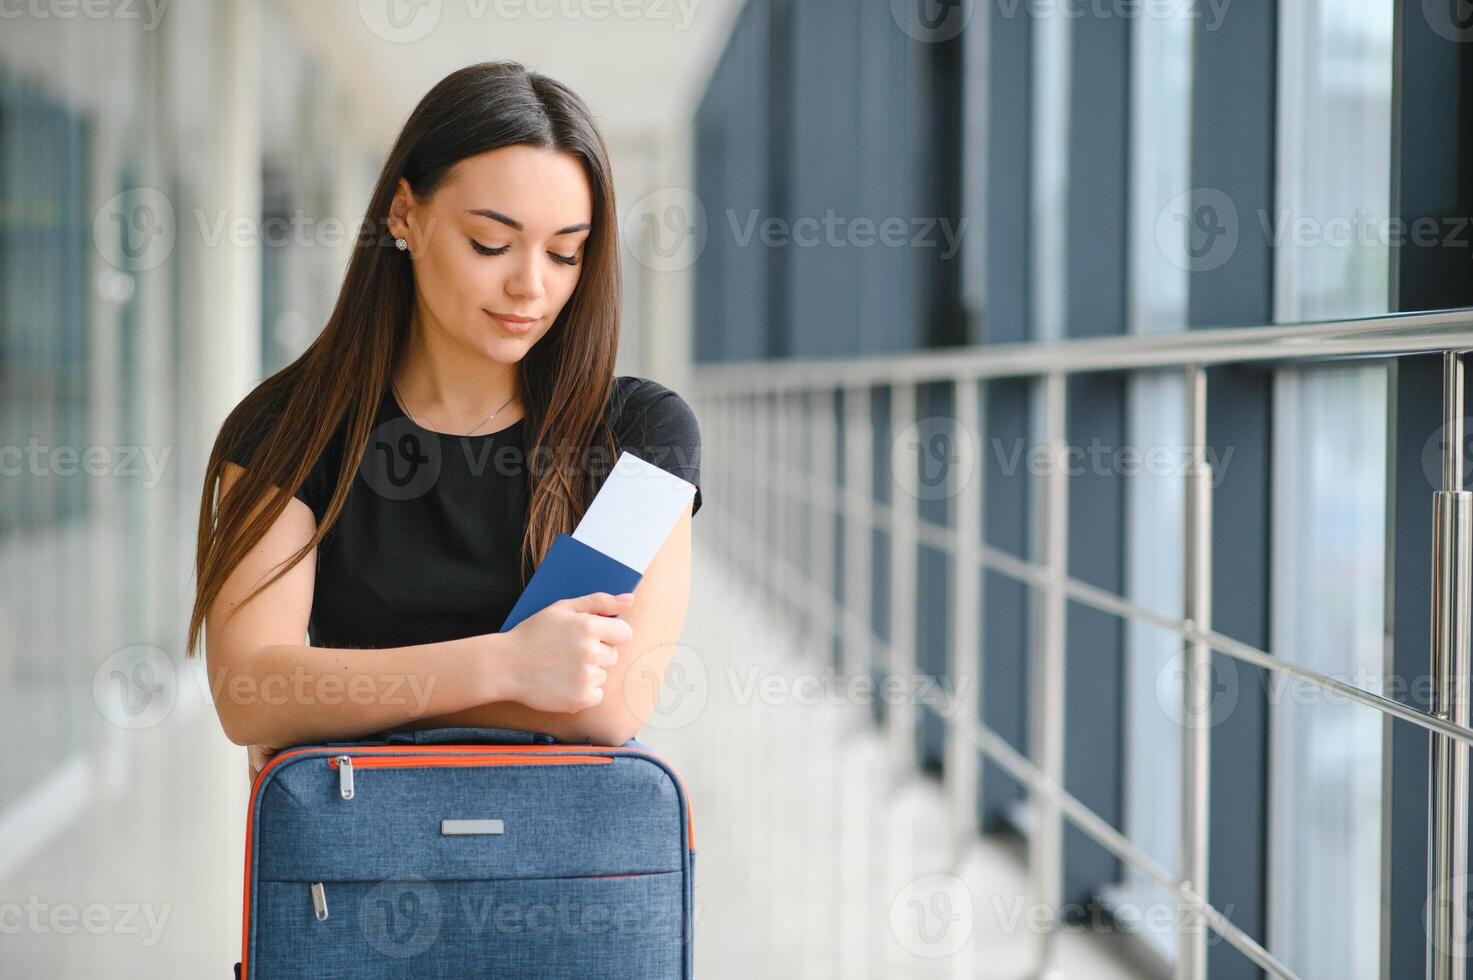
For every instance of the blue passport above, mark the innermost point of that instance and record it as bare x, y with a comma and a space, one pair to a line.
569, 569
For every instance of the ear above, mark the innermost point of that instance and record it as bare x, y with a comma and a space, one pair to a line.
405, 218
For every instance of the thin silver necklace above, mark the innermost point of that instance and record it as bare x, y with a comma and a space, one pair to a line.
426, 428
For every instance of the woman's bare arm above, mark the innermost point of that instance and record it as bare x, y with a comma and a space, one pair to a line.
272, 689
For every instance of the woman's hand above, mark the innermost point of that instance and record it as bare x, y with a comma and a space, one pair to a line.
258, 755
557, 656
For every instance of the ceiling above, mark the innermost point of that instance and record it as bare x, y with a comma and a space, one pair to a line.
640, 64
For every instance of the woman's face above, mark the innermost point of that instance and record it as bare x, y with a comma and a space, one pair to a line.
504, 235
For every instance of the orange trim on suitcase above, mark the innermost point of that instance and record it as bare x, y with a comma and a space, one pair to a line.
462, 759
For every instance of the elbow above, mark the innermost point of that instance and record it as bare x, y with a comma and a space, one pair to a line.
237, 728
601, 724
244, 711
235, 721
610, 727
615, 736
241, 722
235, 735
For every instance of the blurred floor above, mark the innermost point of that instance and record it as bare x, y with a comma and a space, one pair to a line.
159, 847
811, 861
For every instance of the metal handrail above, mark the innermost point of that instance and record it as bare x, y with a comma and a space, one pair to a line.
749, 405
1387, 336
1035, 573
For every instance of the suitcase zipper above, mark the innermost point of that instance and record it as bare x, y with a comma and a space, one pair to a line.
345, 775
345, 765
283, 756
319, 901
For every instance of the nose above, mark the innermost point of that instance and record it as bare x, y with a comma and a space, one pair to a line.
525, 280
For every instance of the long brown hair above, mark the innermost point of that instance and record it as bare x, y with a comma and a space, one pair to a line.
564, 381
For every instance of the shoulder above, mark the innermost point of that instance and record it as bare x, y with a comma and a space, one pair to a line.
254, 429
656, 424
253, 418
640, 407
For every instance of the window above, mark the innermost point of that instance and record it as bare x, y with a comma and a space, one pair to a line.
1155, 502
1050, 142
1327, 614
1329, 498
1160, 86
1333, 188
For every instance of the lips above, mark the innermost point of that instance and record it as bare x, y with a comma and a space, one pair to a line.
513, 325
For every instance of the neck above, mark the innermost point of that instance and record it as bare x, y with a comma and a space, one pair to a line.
447, 385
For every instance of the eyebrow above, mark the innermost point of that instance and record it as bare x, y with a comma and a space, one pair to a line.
514, 223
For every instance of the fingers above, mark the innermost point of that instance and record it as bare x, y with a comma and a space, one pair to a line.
600, 603
257, 756
607, 629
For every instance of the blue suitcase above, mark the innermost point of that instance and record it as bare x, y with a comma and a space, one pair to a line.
468, 852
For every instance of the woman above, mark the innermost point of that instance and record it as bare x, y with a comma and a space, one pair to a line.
390, 491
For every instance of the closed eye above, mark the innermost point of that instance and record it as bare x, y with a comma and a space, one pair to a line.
487, 250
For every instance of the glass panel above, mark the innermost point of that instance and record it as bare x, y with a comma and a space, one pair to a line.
1050, 142
1327, 614
1334, 160
1155, 501
1160, 170
1331, 260
45, 409
1160, 174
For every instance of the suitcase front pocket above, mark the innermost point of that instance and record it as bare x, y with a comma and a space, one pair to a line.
622, 927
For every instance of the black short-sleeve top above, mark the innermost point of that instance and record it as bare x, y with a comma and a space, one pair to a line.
428, 544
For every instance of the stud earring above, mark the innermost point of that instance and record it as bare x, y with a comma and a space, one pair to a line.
400, 244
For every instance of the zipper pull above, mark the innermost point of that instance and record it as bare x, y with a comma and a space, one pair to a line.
345, 776
319, 901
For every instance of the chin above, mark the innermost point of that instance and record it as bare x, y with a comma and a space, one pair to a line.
506, 350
